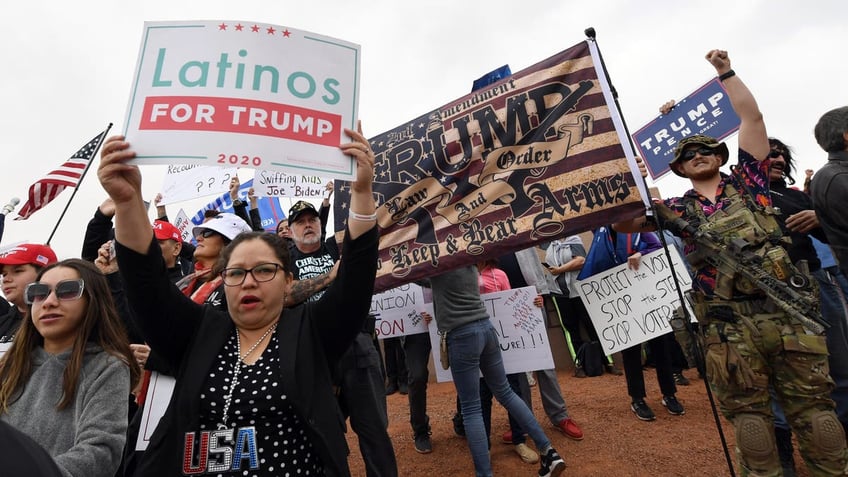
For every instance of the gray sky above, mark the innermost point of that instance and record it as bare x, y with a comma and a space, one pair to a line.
70, 65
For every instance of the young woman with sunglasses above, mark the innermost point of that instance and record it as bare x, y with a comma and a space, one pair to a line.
66, 379
253, 392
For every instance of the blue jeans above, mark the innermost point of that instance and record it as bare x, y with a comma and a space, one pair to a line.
833, 311
473, 348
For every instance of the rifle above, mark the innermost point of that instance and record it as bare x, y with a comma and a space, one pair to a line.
736, 257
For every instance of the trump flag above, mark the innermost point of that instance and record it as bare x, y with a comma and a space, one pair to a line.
534, 156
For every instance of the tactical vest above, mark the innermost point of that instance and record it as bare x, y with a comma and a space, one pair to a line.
742, 218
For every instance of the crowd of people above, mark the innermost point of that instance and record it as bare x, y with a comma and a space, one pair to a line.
270, 348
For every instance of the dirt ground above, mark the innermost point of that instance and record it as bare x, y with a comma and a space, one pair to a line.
616, 443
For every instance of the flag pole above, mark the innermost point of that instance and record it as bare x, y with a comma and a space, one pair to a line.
68, 204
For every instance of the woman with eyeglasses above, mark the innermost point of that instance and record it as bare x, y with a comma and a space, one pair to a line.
253, 392
66, 379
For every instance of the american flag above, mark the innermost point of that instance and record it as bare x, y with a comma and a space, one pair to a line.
67, 175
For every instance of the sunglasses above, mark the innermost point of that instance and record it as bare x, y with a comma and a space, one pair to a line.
65, 290
206, 233
264, 272
775, 153
690, 154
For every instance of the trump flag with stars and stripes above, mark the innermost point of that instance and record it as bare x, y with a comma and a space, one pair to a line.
67, 175
534, 156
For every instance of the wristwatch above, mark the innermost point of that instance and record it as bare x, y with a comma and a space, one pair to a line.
238, 203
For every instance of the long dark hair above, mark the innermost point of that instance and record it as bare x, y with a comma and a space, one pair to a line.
778, 145
100, 325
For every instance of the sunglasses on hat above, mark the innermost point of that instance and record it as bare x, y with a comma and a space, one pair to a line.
65, 290
690, 154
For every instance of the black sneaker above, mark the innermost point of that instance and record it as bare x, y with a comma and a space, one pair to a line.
403, 388
673, 405
642, 410
552, 464
458, 425
391, 388
423, 444
680, 379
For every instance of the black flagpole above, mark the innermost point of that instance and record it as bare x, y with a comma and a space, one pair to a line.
699, 354
87, 166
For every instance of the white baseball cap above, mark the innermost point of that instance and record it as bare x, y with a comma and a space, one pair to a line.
226, 224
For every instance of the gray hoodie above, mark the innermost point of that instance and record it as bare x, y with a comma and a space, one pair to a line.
87, 438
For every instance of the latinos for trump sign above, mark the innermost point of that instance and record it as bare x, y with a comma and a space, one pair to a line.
706, 111
245, 94
534, 156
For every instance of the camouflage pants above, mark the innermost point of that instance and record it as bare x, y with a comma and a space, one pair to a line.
749, 348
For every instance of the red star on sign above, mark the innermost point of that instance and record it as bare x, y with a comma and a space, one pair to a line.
286, 33
239, 27
222, 26
270, 30
255, 28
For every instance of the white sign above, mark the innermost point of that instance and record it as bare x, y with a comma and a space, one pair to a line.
185, 225
243, 94
186, 182
296, 186
629, 307
158, 396
522, 332
398, 311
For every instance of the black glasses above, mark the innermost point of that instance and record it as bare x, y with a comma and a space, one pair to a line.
775, 153
65, 290
688, 155
206, 233
264, 272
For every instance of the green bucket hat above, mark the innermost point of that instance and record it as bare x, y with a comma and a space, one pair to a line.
702, 140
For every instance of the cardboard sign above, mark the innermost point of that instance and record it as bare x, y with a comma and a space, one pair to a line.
186, 182
158, 396
629, 307
243, 94
521, 330
295, 186
398, 311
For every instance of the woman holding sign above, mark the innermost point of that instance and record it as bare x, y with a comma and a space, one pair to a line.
610, 248
253, 392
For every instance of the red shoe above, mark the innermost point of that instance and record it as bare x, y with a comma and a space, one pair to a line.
570, 429
507, 437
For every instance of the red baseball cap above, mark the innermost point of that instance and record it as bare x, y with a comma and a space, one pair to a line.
166, 231
28, 253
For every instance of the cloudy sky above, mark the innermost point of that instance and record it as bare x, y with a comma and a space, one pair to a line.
69, 67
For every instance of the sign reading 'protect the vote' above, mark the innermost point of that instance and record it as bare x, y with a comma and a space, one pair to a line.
245, 94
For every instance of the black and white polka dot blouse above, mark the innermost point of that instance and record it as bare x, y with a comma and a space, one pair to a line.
284, 447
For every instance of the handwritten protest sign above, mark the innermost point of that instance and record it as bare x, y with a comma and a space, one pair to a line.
521, 329
295, 186
629, 307
706, 111
398, 311
185, 182
231, 93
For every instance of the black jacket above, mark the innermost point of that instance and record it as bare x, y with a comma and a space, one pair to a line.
312, 337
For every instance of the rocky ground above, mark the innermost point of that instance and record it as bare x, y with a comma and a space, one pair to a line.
615, 443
